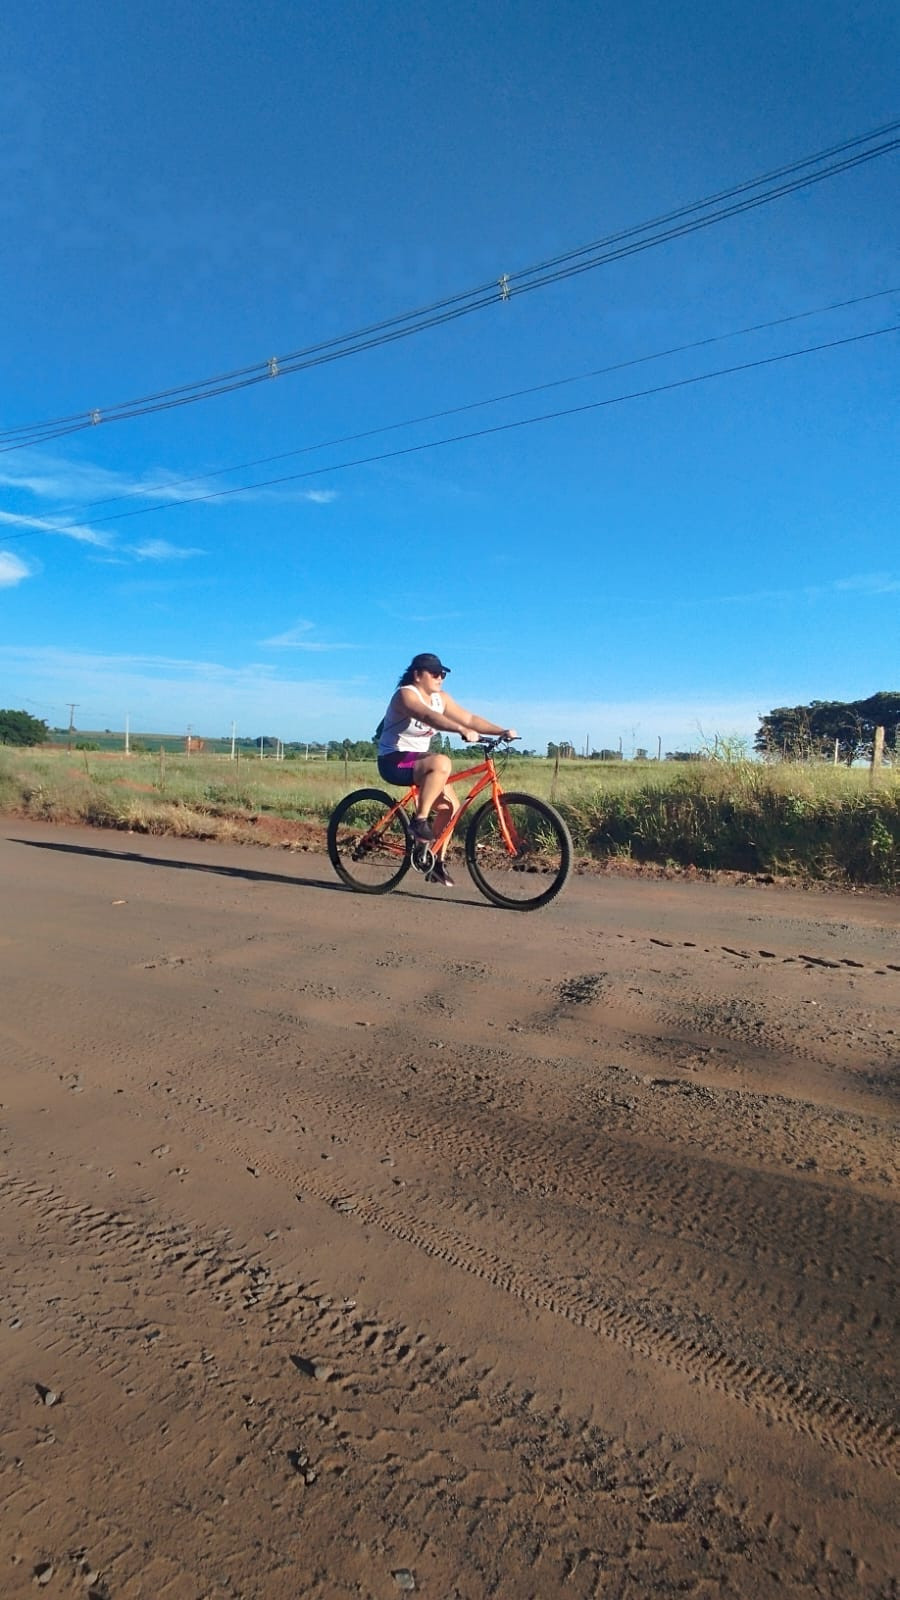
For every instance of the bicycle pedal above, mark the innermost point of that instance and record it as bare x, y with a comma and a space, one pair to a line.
422, 857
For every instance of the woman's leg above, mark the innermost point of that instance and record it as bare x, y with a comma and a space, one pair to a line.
445, 808
431, 774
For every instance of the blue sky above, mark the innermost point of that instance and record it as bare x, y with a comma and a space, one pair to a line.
186, 191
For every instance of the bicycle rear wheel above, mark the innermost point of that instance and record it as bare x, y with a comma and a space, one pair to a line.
368, 841
528, 869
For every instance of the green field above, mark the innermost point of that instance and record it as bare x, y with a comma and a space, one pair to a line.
812, 821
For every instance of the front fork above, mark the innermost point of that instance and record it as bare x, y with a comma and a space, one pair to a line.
509, 838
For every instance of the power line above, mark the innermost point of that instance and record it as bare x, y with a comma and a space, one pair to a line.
727, 194
615, 247
480, 433
474, 405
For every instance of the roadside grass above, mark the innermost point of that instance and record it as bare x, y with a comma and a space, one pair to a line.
814, 822
817, 823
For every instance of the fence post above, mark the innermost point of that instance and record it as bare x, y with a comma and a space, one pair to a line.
877, 750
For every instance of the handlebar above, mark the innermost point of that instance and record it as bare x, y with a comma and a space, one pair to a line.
492, 741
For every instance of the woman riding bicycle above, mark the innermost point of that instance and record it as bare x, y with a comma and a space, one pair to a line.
418, 709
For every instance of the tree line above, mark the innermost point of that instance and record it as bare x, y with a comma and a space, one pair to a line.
788, 733
802, 733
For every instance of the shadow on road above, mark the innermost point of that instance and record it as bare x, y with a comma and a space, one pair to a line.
226, 872
181, 866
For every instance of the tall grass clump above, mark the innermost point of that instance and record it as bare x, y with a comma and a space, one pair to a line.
751, 818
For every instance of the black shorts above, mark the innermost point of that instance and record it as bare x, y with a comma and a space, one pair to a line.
398, 766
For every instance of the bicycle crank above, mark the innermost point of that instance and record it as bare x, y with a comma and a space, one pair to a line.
422, 856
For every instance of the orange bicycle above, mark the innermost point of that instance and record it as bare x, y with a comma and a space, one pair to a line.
518, 848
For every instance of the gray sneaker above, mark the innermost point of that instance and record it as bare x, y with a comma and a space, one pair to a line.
421, 828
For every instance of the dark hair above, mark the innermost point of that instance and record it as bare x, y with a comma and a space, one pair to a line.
426, 661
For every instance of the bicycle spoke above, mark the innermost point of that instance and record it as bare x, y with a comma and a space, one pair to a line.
368, 842
520, 856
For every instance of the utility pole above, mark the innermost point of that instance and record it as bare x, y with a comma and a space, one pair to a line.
233, 726
127, 745
189, 726
73, 706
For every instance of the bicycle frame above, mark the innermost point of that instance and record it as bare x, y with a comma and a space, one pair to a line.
486, 773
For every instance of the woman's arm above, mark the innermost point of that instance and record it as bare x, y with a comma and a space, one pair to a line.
450, 720
469, 720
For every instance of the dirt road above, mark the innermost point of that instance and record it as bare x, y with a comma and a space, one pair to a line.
357, 1246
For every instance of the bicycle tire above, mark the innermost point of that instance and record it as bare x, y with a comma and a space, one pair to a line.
540, 870
365, 856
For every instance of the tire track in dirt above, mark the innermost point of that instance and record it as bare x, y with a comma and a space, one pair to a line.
416, 1432
209, 1289
643, 1014
744, 1214
380, 1416
633, 1251
622, 1178
585, 1036
826, 1417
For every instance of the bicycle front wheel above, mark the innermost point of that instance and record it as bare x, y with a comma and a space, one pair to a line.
522, 858
368, 841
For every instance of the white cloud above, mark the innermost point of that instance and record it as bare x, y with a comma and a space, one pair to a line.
296, 639
12, 570
291, 637
162, 550
862, 584
868, 583
147, 550
53, 478
58, 481
76, 530
163, 694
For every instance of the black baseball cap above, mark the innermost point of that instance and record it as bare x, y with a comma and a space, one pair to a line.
427, 661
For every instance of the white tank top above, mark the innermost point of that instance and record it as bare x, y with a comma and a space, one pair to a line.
403, 732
